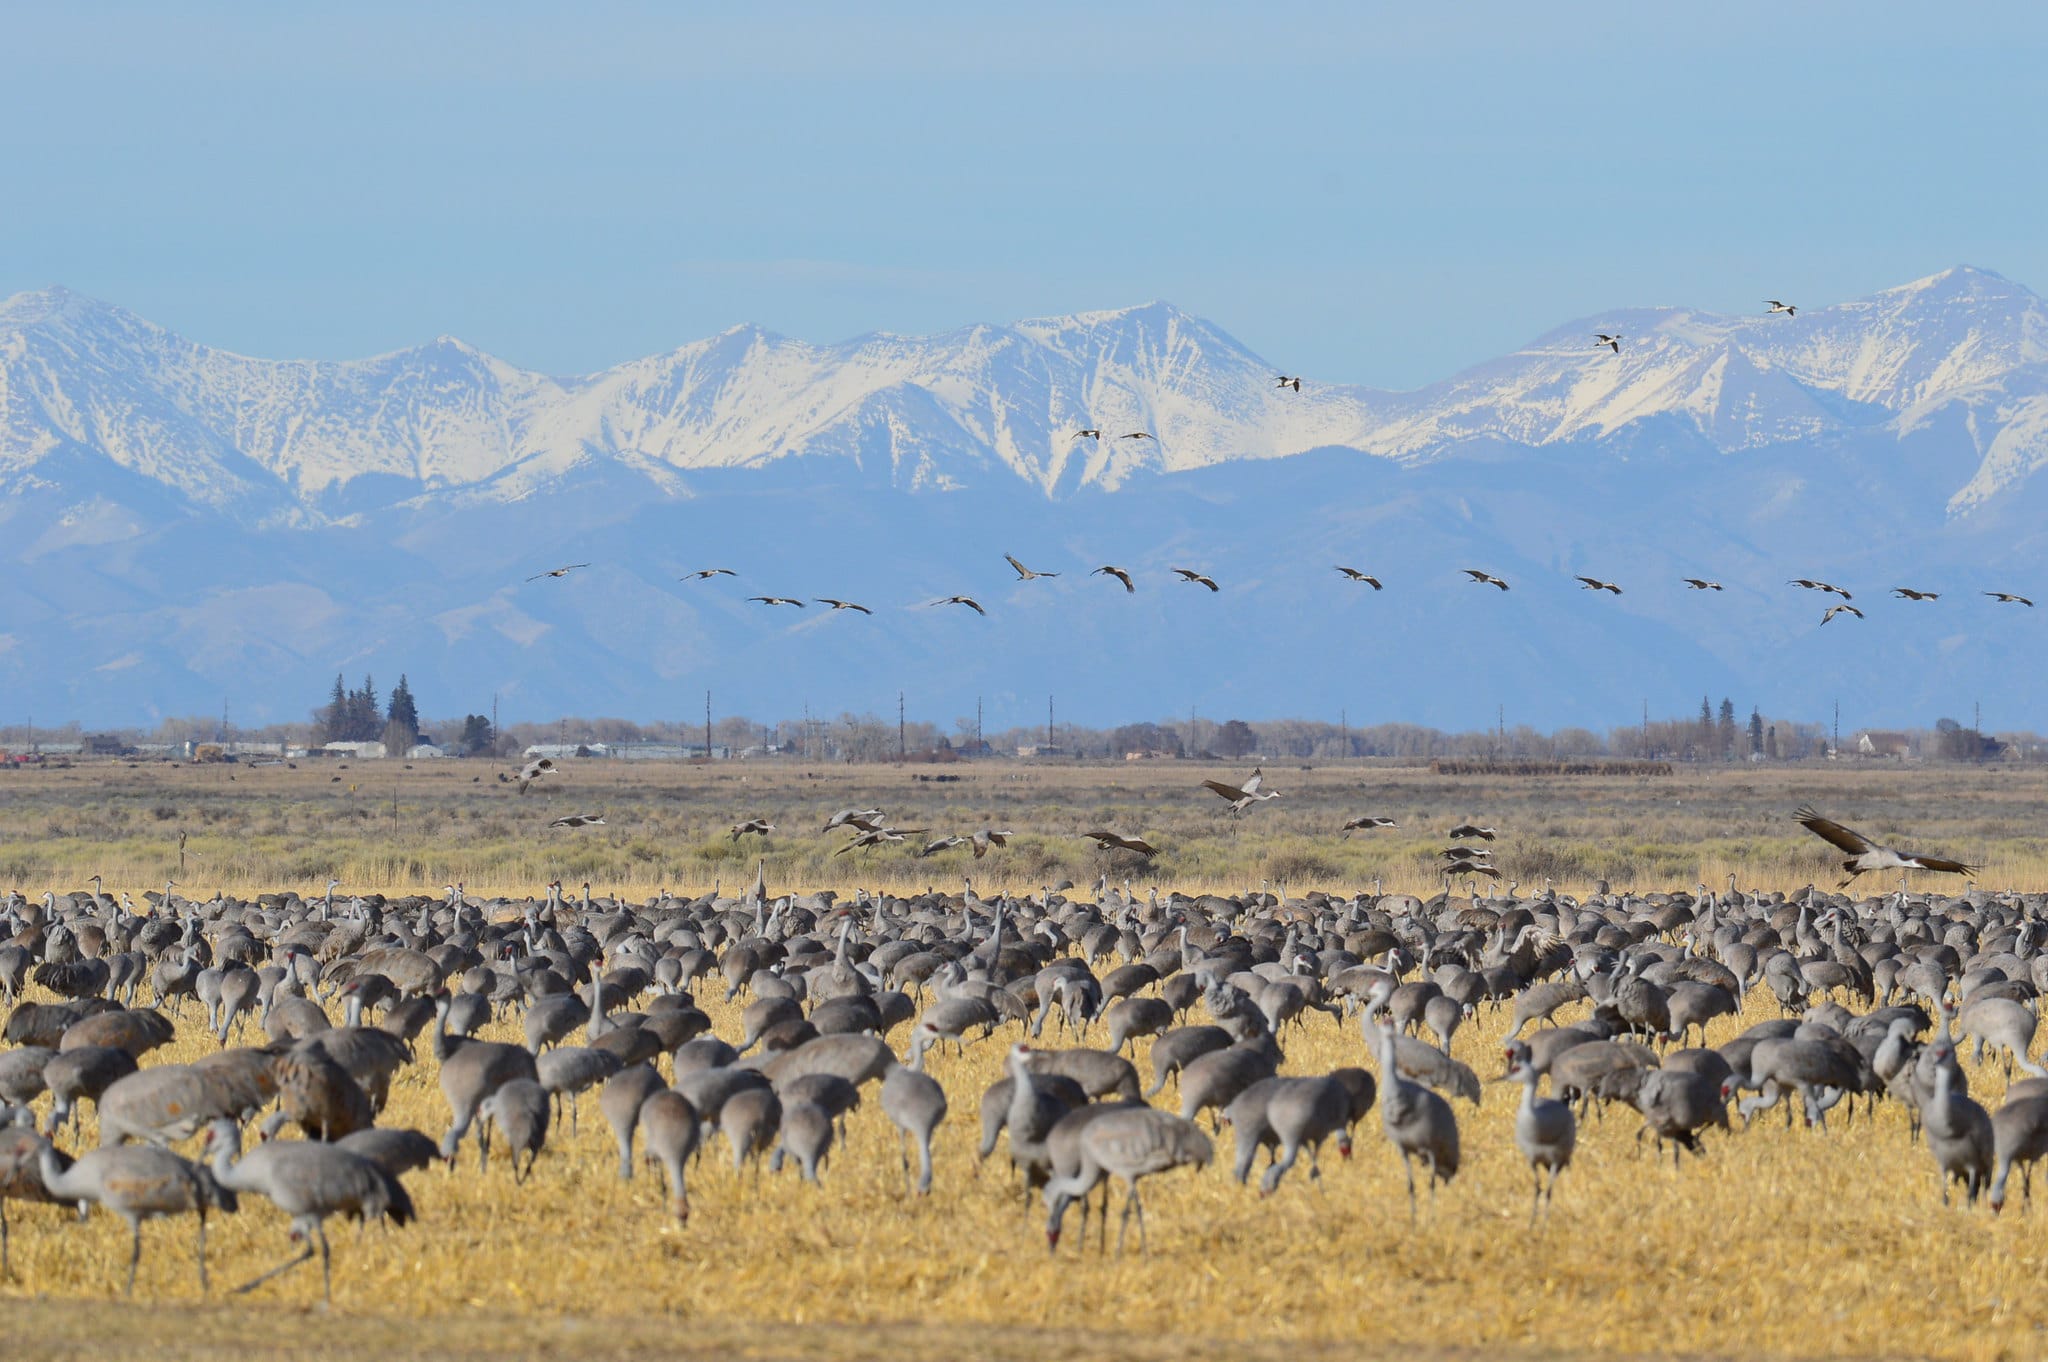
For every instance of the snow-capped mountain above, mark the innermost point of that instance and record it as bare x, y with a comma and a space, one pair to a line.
183, 522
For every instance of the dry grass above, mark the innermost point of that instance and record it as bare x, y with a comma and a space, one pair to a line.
1780, 1242
1787, 1242
271, 828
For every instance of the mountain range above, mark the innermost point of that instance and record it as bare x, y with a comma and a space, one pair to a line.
182, 526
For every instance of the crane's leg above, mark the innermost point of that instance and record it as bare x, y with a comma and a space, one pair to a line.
326, 1264
1535, 1197
1408, 1167
6, 1262
204, 1286
626, 1156
135, 1252
924, 1164
286, 1266
1123, 1223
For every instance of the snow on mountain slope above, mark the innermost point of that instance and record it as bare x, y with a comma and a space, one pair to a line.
280, 441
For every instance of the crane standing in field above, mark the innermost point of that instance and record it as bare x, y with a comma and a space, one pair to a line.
309, 1181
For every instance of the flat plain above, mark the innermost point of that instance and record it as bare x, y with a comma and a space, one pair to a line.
1780, 1241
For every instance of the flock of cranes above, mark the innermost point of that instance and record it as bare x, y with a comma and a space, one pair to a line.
1198, 577
830, 1003
1195, 577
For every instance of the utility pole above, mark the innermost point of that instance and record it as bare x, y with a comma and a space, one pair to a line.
902, 744
979, 741
707, 725
1500, 725
1835, 750
494, 726
1048, 721
1646, 726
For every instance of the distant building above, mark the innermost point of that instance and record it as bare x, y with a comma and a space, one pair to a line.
362, 751
1039, 749
1874, 743
421, 751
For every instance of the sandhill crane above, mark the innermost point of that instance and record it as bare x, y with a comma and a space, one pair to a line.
394, 1149
778, 600
137, 1183
557, 572
749, 1120
705, 574
1812, 584
1138, 435
914, 1104
21, 1177
1352, 574
1242, 797
567, 1070
938, 845
1545, 1132
805, 1135
1866, 856
1907, 593
1612, 342
1959, 1132
878, 837
1304, 1112
1418, 1123
1025, 574
1131, 1143
1676, 1105
471, 1070
1700, 584
1472, 830
673, 1133
534, 770
1776, 306
1484, 578
1287, 381
319, 1094
968, 601
622, 1099
1595, 584
85, 1072
2019, 1135
1835, 610
753, 827
2006, 1024
2008, 598
1190, 575
308, 1182
518, 1107
838, 604
1110, 570
1089, 433
579, 820
1368, 822
865, 820
1111, 841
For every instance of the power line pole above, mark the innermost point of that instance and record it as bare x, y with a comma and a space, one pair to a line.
1836, 749
902, 744
979, 741
1646, 726
1048, 721
707, 725
494, 726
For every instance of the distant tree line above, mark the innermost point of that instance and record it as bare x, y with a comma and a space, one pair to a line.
1716, 733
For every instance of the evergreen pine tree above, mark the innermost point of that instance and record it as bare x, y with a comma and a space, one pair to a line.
334, 718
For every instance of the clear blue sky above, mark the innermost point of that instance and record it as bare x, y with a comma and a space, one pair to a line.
1364, 193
